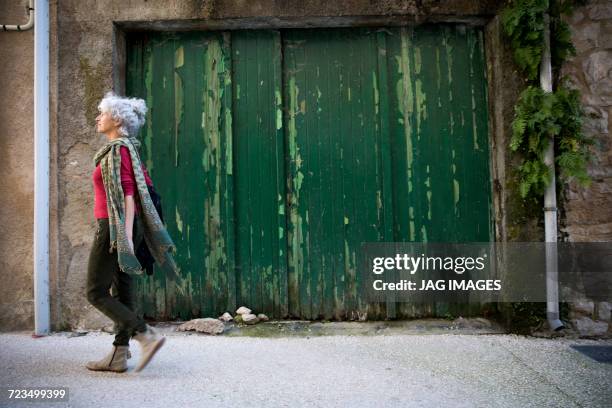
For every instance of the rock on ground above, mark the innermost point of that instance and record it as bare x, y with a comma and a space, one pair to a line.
243, 310
206, 325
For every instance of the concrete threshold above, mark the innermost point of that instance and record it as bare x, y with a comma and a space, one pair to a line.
306, 328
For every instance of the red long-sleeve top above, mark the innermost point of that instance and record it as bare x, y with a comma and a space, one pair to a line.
128, 181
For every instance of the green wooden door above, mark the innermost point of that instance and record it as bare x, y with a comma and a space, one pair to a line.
187, 148
278, 152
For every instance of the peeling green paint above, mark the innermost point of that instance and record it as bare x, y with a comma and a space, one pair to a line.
456, 191
438, 75
298, 180
229, 156
449, 65
421, 106
179, 61
279, 111
148, 81
281, 205
188, 242
293, 94
405, 99
417, 60
471, 43
179, 57
179, 221
375, 86
411, 223
474, 130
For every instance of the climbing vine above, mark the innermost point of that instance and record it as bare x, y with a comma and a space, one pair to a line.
540, 115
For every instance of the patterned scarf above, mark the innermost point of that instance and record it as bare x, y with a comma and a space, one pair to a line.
155, 235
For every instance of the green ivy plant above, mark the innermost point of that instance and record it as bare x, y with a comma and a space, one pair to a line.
540, 115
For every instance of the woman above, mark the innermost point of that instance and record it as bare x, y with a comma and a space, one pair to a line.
125, 216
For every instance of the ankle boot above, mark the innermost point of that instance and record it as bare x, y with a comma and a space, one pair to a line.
150, 342
116, 361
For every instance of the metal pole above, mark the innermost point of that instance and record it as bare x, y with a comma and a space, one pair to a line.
550, 200
41, 168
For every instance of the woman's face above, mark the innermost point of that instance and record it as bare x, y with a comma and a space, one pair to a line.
106, 124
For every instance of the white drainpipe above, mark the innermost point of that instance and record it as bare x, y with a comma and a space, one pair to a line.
27, 26
41, 169
550, 202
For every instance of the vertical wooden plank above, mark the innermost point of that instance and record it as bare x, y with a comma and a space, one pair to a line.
162, 146
259, 146
385, 150
268, 208
134, 86
409, 194
294, 177
227, 216
457, 72
329, 204
193, 152
149, 285
281, 299
241, 140
353, 175
482, 172
361, 145
335, 88
260, 150
304, 140
181, 298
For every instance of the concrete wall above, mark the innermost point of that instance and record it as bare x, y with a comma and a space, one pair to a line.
89, 61
16, 167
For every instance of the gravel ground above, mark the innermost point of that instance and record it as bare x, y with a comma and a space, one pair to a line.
441, 370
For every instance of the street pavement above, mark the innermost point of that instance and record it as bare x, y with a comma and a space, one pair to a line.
382, 369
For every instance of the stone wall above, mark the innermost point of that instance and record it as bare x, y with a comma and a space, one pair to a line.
587, 212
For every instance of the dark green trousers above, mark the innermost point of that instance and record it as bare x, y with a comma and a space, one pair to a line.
103, 272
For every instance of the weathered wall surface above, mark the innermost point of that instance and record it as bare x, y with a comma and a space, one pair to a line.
587, 214
16, 166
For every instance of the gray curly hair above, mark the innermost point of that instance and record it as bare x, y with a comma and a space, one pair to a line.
130, 111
